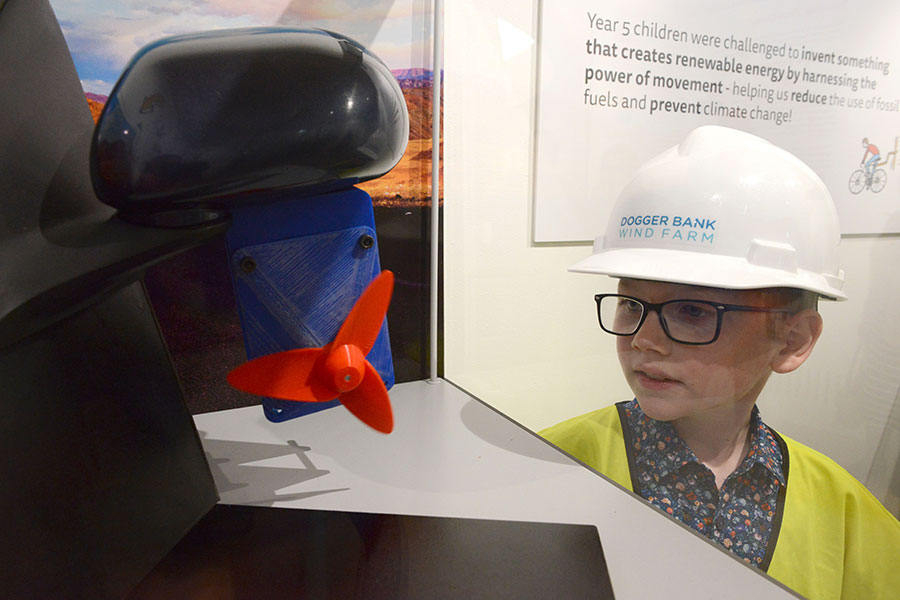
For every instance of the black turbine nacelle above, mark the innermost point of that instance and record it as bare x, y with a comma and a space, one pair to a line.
202, 122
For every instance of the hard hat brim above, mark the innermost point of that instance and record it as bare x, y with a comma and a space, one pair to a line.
696, 268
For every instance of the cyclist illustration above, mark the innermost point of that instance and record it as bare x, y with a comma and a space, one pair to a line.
871, 149
871, 176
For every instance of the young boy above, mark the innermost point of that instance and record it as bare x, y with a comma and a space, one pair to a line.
722, 247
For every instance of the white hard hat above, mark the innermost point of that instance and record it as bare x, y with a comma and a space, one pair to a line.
723, 209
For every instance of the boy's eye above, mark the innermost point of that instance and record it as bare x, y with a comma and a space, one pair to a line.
629, 305
693, 311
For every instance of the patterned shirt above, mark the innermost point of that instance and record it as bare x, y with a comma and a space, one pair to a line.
668, 474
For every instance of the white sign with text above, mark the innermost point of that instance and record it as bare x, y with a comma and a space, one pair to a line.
620, 82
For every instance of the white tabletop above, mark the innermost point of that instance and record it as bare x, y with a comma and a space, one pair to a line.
452, 456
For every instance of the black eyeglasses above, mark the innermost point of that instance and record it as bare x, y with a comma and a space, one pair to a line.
694, 322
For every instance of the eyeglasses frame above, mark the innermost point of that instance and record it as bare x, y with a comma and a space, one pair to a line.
657, 307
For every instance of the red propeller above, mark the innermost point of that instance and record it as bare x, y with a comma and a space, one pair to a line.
337, 370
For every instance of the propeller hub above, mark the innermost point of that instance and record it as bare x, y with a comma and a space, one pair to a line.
345, 367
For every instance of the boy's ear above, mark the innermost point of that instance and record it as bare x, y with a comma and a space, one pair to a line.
799, 335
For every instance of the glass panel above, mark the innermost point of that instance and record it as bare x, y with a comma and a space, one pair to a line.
521, 333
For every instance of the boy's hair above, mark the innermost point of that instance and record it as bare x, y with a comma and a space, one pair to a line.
793, 299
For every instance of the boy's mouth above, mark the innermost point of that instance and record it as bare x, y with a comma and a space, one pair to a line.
654, 380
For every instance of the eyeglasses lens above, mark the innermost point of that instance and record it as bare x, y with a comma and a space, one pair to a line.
620, 314
691, 322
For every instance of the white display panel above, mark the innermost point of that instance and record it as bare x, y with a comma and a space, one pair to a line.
618, 82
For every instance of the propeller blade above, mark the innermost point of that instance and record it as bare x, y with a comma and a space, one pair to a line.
370, 402
362, 325
288, 375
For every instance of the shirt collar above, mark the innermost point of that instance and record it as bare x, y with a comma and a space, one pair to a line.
764, 449
657, 447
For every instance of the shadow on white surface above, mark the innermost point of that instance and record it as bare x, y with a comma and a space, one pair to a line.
483, 425
255, 473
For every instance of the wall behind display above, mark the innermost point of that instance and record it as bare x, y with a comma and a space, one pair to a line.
522, 331
192, 293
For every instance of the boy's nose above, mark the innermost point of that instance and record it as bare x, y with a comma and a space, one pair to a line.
651, 335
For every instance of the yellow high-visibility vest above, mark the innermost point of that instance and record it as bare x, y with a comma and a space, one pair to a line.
835, 539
